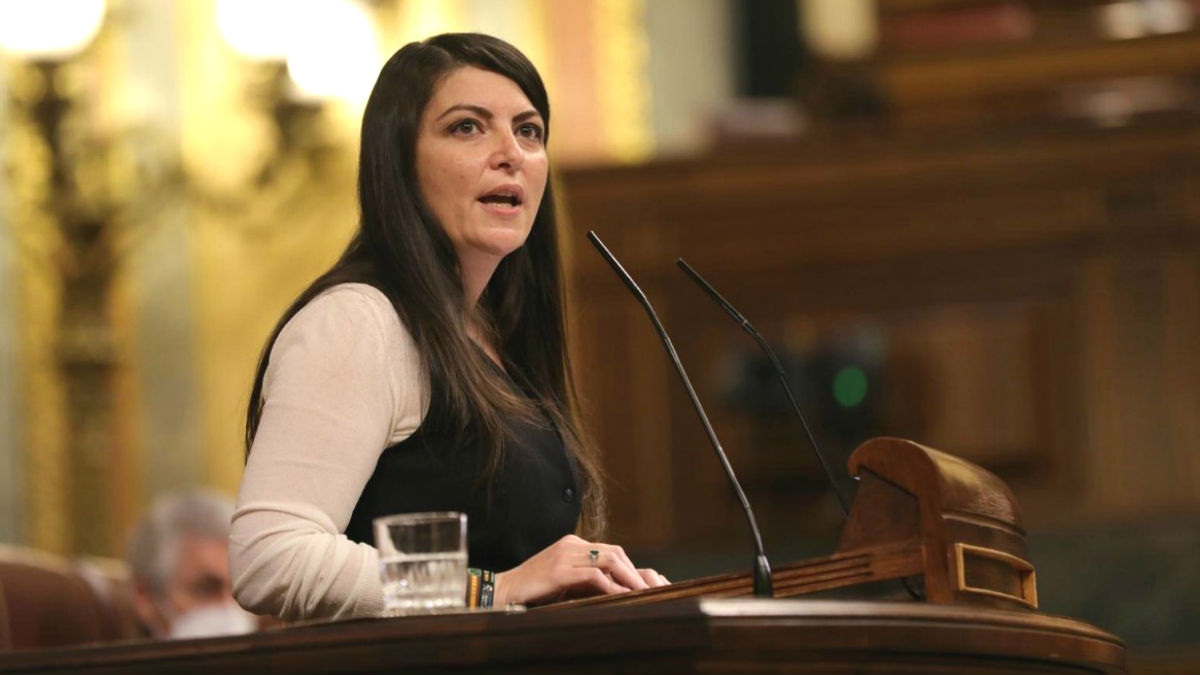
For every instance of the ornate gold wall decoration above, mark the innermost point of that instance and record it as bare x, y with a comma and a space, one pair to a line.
267, 218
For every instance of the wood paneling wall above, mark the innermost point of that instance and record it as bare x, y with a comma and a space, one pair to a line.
1038, 296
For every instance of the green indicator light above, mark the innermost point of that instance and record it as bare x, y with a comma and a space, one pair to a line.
850, 386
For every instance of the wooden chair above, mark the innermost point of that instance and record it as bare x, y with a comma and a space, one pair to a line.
49, 601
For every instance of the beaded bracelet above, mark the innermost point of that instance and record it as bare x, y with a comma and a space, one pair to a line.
481, 587
487, 589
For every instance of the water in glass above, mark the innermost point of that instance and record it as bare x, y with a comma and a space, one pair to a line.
423, 582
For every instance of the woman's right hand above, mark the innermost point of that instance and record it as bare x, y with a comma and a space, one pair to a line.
565, 568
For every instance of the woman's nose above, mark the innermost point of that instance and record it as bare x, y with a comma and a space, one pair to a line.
508, 153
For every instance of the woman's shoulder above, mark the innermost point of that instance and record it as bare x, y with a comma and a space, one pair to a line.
352, 298
350, 332
351, 304
349, 316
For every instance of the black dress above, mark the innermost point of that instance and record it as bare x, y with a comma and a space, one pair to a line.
533, 499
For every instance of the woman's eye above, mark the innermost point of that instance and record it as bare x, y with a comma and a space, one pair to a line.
465, 127
530, 131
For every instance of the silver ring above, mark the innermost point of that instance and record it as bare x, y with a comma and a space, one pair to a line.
594, 556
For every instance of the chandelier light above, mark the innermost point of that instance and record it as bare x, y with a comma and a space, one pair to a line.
49, 30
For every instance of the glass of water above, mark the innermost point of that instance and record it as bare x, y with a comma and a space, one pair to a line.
422, 562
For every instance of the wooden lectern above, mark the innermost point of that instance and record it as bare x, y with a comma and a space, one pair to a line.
919, 514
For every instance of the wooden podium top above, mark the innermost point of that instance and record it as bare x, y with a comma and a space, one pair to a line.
689, 635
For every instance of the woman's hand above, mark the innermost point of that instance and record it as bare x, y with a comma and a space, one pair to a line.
566, 568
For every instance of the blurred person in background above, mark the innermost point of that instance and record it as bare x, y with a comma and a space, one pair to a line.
178, 558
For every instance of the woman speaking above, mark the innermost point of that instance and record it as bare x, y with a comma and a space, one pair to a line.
427, 370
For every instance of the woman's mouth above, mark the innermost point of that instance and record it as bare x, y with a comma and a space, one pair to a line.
506, 199
511, 200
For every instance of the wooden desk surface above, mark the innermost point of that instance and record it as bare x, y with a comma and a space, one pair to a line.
706, 635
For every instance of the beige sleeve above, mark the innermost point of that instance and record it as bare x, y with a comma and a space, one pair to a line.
343, 381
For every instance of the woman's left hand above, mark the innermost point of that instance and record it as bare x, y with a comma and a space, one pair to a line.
568, 568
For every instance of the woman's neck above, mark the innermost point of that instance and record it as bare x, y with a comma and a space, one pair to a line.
476, 271
482, 337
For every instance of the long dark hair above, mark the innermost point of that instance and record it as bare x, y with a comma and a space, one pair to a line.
401, 249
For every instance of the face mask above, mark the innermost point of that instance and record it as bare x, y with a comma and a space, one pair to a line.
225, 618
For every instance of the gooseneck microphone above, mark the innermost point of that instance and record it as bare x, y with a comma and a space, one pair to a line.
749, 328
746, 326
762, 569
